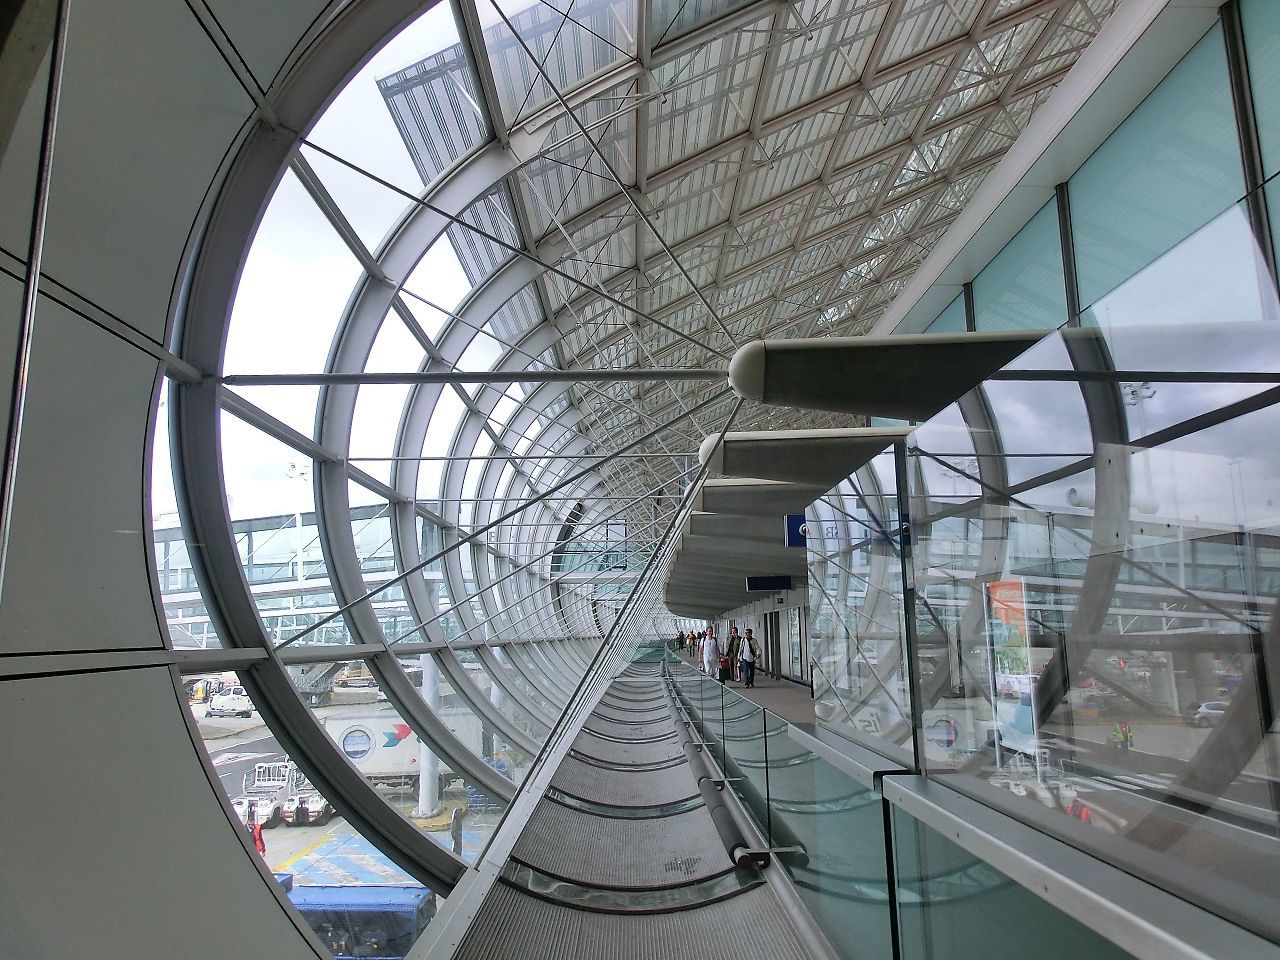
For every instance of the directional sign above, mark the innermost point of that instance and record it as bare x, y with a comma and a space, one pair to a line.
796, 530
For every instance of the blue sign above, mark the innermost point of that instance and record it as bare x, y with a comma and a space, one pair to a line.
796, 530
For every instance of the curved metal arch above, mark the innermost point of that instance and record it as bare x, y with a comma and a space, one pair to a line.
492, 475
452, 481
372, 302
419, 408
200, 331
335, 410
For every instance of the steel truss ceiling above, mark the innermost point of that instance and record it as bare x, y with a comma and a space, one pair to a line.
633, 187
691, 176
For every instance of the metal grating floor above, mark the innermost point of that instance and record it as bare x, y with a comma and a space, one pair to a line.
645, 884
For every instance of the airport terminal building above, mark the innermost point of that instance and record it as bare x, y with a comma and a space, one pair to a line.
640, 479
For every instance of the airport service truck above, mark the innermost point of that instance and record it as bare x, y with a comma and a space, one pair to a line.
380, 745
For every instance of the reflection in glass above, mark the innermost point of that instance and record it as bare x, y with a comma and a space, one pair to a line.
1261, 22
951, 905
856, 612
950, 320
1096, 664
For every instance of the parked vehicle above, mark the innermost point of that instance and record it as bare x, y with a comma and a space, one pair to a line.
354, 675
231, 702
1205, 714
307, 807
266, 789
369, 921
380, 745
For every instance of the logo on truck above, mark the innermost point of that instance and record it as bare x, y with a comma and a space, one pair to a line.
396, 734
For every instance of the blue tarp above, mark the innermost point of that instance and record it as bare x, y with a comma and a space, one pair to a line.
406, 900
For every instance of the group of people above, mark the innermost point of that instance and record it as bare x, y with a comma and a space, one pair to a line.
734, 658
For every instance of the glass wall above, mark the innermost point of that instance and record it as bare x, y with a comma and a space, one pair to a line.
1083, 636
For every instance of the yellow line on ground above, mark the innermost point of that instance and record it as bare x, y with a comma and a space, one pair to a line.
305, 851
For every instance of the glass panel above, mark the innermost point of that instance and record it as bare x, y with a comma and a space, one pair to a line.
434, 102
571, 40
1261, 22
1172, 166
185, 616
451, 705
269, 491
843, 876
1091, 640
1023, 287
856, 625
950, 904
508, 705
367, 123
297, 277
670, 18
375, 426
827, 829
292, 405
1205, 294
950, 320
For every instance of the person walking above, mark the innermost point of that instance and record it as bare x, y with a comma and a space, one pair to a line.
710, 653
748, 653
733, 645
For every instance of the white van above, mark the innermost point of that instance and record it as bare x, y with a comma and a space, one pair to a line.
231, 702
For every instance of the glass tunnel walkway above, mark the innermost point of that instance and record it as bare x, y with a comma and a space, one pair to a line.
705, 826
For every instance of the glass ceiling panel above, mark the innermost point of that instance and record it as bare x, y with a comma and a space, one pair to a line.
516, 318
987, 69
829, 54
693, 203
924, 24
435, 105
572, 41
762, 237
359, 127
1065, 45
372, 208
670, 18
795, 155
571, 177
494, 219
708, 96
603, 260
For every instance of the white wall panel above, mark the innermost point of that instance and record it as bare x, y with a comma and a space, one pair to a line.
115, 845
77, 567
142, 129
266, 42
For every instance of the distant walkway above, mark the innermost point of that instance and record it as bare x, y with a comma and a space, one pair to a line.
783, 698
